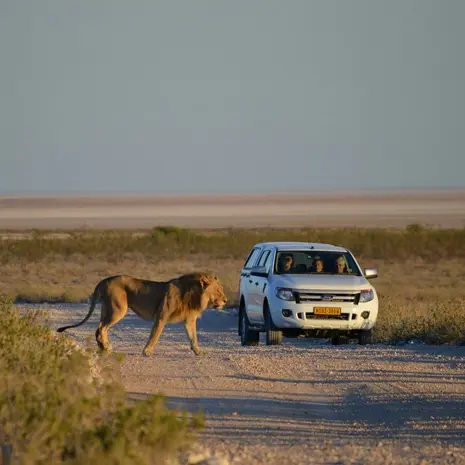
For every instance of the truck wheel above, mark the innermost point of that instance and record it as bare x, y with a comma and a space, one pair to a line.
249, 337
239, 320
366, 337
338, 340
273, 336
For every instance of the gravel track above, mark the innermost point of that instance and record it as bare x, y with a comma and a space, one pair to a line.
305, 402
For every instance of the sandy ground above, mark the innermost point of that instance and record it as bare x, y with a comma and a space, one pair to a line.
305, 402
444, 208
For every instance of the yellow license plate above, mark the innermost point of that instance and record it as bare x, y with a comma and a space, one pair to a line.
327, 311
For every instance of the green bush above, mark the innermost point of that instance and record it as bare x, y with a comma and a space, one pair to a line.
53, 411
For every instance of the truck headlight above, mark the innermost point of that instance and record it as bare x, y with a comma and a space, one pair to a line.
366, 295
284, 293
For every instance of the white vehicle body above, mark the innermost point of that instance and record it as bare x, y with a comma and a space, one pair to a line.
304, 302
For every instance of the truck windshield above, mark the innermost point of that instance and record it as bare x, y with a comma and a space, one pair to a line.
315, 262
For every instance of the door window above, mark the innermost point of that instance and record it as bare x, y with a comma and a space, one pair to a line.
251, 258
268, 262
263, 258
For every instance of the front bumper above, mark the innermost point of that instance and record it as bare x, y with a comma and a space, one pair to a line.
302, 316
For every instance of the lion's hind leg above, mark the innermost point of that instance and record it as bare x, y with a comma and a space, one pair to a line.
111, 313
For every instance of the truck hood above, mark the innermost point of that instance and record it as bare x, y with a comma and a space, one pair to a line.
322, 282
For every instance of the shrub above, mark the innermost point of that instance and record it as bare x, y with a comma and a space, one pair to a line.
433, 322
53, 411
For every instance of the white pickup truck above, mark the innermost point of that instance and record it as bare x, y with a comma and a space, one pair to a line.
296, 289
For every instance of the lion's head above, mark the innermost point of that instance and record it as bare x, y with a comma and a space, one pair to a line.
213, 291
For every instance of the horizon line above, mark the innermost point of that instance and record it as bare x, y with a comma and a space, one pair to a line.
298, 192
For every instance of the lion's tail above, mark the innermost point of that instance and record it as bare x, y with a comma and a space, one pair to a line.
93, 303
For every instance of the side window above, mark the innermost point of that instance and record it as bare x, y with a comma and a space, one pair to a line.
251, 258
263, 258
268, 263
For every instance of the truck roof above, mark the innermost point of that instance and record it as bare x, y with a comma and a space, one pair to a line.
284, 245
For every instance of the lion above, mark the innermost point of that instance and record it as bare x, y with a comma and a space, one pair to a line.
181, 299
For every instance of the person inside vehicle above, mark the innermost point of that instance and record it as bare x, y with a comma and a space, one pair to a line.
285, 263
341, 264
318, 265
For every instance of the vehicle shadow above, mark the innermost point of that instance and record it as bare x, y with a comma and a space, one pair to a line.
385, 403
310, 419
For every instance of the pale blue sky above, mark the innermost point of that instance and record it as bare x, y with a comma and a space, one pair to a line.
220, 96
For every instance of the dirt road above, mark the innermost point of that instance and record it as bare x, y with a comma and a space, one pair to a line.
305, 402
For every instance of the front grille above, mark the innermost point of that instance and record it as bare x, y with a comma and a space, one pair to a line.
327, 296
342, 316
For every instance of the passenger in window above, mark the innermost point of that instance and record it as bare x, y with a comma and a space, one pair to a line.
319, 265
285, 263
341, 264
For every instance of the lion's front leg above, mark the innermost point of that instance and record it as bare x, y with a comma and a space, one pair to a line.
191, 329
155, 334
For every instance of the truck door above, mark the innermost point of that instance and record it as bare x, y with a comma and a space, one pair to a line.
245, 274
256, 289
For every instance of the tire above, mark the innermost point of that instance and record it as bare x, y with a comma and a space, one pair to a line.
239, 324
274, 336
249, 337
366, 337
338, 340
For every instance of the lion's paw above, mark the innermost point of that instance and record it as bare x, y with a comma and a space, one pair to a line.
147, 352
197, 351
